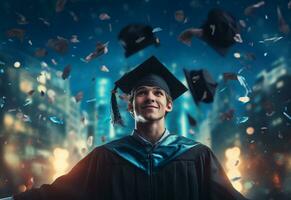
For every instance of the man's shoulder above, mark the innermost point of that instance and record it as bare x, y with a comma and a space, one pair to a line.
197, 148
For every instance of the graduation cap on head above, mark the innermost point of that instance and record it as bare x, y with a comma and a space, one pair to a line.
201, 85
220, 30
149, 73
136, 37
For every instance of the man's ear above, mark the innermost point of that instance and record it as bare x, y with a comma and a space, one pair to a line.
130, 108
169, 106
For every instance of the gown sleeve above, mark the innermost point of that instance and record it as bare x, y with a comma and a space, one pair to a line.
219, 186
73, 185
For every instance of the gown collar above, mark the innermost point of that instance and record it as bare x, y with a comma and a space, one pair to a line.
147, 156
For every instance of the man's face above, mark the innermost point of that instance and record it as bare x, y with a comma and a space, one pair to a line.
149, 104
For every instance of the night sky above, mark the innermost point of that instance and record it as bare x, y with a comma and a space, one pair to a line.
90, 29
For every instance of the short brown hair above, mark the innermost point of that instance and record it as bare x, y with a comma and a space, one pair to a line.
131, 96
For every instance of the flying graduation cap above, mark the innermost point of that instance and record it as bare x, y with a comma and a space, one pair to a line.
201, 85
135, 37
220, 30
149, 73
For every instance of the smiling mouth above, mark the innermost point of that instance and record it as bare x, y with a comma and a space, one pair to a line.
149, 107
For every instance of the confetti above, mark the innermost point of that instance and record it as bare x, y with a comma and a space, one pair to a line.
103, 68
66, 72
21, 19
40, 52
90, 141
187, 35
60, 4
243, 83
242, 23
54, 61
235, 179
26, 118
244, 99
104, 16
250, 56
283, 26
16, 33
240, 120
74, 16
236, 163
229, 76
74, 39
228, 115
272, 39
237, 38
157, 29
44, 21
237, 55
60, 45
79, 96
100, 50
251, 9
221, 90
2, 102
56, 120
27, 102
91, 100
286, 115
180, 16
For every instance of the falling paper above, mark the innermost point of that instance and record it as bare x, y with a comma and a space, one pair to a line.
60, 5
271, 40
90, 100
243, 83
56, 120
103, 68
283, 26
285, 113
251, 9
240, 120
235, 179
187, 35
90, 141
27, 102
157, 29
104, 16
2, 102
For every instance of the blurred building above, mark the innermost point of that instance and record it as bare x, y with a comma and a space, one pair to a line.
267, 133
225, 133
37, 112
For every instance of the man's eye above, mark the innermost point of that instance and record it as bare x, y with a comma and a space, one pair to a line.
159, 93
141, 92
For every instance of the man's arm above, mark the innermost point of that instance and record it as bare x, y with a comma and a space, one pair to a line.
218, 184
7, 198
70, 186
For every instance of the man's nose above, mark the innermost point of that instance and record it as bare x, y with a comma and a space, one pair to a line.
150, 96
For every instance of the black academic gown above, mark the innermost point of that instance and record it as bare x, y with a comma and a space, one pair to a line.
128, 169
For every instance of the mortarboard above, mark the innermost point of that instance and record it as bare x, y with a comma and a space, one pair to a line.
220, 30
135, 37
201, 85
149, 73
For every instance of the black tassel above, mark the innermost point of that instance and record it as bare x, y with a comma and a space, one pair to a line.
115, 114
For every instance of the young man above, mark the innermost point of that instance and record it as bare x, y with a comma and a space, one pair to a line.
149, 164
